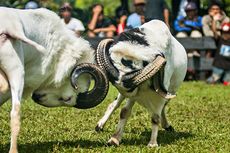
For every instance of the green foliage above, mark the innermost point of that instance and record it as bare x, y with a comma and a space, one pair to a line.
200, 115
110, 6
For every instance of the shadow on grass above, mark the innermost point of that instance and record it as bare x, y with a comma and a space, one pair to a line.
47, 147
164, 138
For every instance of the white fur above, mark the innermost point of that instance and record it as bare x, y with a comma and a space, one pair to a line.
160, 41
37, 54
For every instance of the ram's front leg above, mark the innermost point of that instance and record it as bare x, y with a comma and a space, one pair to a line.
164, 121
124, 115
111, 108
156, 119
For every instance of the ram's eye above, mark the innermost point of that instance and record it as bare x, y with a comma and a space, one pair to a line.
126, 62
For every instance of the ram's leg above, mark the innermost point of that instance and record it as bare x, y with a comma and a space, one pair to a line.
111, 108
124, 115
12, 64
164, 122
156, 118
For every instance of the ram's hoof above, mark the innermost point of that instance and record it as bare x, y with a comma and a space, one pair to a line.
98, 128
152, 145
170, 129
113, 141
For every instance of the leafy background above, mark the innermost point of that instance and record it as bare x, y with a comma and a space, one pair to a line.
111, 5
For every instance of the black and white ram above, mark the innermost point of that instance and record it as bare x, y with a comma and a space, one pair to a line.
146, 65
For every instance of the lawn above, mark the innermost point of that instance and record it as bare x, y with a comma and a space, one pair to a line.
200, 114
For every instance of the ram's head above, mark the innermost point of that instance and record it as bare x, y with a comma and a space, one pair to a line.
134, 57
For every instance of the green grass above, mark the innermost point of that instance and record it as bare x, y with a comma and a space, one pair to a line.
200, 114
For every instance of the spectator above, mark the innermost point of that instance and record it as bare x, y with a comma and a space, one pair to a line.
121, 20
71, 23
191, 24
213, 21
99, 25
157, 9
178, 7
31, 5
221, 65
137, 18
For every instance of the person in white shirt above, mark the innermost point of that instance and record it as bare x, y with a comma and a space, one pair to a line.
71, 23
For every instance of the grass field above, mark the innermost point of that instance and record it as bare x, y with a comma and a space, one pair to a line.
200, 114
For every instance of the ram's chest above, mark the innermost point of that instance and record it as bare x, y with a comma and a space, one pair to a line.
149, 99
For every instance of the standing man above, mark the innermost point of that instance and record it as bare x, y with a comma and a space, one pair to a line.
71, 23
157, 9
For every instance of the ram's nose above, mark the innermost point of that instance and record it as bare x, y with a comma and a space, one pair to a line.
37, 97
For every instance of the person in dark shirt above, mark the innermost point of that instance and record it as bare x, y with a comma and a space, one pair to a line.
99, 25
221, 64
157, 9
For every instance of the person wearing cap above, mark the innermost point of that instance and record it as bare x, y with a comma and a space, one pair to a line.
191, 24
100, 25
221, 64
71, 23
178, 7
213, 21
137, 18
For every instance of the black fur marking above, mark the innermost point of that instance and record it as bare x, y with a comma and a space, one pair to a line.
155, 119
123, 113
128, 63
145, 63
134, 36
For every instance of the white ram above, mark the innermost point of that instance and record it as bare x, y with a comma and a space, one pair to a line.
37, 55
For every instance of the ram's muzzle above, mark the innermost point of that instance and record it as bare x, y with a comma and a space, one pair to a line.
95, 96
131, 80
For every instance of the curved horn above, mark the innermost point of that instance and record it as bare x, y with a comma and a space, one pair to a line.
95, 96
133, 80
102, 58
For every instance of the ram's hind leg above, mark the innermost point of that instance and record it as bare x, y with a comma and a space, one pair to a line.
124, 115
164, 121
12, 65
111, 108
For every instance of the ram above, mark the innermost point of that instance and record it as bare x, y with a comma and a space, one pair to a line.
40, 57
147, 65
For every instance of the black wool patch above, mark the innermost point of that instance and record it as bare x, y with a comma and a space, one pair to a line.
145, 63
134, 36
128, 63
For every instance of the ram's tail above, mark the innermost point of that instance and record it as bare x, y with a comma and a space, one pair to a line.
21, 36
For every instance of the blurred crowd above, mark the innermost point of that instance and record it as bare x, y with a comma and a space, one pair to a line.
184, 20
